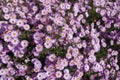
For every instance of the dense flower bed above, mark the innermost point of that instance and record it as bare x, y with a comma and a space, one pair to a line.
59, 40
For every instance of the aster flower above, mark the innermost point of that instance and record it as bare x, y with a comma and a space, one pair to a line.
7, 38
15, 41
39, 48
48, 44
67, 76
1, 47
26, 27
58, 74
20, 23
41, 76
24, 43
52, 57
14, 34
66, 39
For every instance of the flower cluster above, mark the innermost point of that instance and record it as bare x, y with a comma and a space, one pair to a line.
59, 40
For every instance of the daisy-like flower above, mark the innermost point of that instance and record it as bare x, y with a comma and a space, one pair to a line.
14, 34
67, 6
6, 16
62, 34
1, 47
52, 57
26, 27
24, 43
75, 52
36, 36
48, 44
80, 17
65, 62
58, 74
28, 78
68, 55
37, 16
49, 28
41, 76
20, 23
5, 9
67, 76
7, 38
62, 6
48, 39
44, 12
71, 63
40, 26
11, 78
15, 41
97, 67
12, 21
35, 8
5, 59
76, 9
92, 58
66, 71
86, 67
39, 48
3, 72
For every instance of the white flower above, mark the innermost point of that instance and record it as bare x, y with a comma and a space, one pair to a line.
24, 43
10, 47
26, 27
14, 34
7, 38
12, 21
1, 47
15, 41
6, 16
3, 72
67, 76
39, 48
96, 47
49, 28
44, 12
66, 71
67, 6
68, 56
58, 74
36, 36
48, 44
20, 23
97, 67
86, 67
38, 64
65, 62
41, 76
80, 17
34, 8
75, 52
52, 57
5, 9
91, 58
62, 6
37, 16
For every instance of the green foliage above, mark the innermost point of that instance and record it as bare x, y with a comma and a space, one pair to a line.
59, 51
24, 35
101, 54
93, 15
42, 58
72, 1
87, 75
20, 78
71, 69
